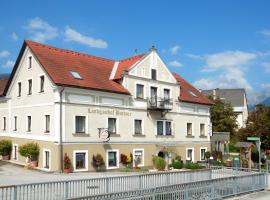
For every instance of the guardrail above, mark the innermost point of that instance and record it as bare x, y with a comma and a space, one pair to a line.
208, 189
85, 187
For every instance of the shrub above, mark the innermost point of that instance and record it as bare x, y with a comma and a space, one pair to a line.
30, 150
159, 163
67, 162
129, 158
207, 155
5, 147
177, 157
98, 161
193, 166
123, 159
176, 164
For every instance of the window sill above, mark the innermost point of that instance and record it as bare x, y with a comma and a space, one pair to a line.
81, 170
80, 134
140, 99
138, 135
190, 136
47, 133
116, 167
164, 136
114, 135
203, 136
41, 92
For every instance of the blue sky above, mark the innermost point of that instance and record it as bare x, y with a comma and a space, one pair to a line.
223, 44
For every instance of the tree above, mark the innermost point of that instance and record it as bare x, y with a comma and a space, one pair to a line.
222, 117
258, 124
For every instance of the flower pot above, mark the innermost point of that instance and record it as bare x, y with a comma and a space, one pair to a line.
6, 157
34, 163
66, 171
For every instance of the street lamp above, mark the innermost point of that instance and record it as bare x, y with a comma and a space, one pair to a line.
258, 145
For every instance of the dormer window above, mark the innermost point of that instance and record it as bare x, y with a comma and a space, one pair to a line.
75, 75
154, 74
29, 62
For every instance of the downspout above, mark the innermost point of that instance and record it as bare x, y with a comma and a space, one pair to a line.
61, 130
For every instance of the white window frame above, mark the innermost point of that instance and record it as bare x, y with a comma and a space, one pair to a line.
86, 160
144, 93
40, 84
15, 130
31, 127
4, 123
117, 124
134, 126
204, 134
44, 159
170, 92
192, 129
13, 152
18, 89
190, 148
45, 123
142, 162
117, 157
164, 127
30, 62
205, 148
86, 124
32, 86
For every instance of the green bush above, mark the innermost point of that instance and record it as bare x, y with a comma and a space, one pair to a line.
159, 163
30, 150
193, 166
217, 163
5, 147
207, 155
233, 149
176, 164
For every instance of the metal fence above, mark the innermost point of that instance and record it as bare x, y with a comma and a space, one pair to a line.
85, 187
203, 190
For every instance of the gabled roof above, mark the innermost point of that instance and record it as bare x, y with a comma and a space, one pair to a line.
190, 94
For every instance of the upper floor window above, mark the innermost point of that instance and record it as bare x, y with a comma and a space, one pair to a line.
80, 125
202, 129
19, 89
29, 62
41, 83
189, 129
47, 123
15, 123
139, 91
138, 127
4, 123
29, 86
154, 74
29, 123
112, 125
166, 94
164, 127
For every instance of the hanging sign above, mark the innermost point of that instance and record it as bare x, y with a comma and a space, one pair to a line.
104, 134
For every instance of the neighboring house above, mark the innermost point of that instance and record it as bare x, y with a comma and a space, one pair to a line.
67, 102
236, 97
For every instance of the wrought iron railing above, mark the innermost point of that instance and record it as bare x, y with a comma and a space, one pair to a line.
159, 103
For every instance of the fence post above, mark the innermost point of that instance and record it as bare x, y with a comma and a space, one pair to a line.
66, 189
15, 193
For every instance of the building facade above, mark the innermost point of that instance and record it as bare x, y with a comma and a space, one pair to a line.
68, 102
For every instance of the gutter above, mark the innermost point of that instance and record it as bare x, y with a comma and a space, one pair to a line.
61, 131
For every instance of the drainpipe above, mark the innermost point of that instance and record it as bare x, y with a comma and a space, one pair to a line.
61, 130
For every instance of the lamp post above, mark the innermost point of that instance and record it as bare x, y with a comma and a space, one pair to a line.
258, 145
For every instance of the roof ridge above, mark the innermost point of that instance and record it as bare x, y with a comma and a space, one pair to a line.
76, 53
133, 57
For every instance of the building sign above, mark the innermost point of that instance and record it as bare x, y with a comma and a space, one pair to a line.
104, 134
108, 112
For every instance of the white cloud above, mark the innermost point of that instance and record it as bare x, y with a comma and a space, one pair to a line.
8, 64
75, 36
265, 33
266, 66
41, 30
14, 36
174, 50
175, 63
194, 57
4, 53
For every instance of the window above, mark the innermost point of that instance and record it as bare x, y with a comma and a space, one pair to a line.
166, 94
75, 75
202, 153
4, 123
192, 94
47, 123
80, 124
202, 129
138, 157
46, 158
112, 159
154, 74
15, 151
80, 160
29, 123
112, 125
138, 127
189, 129
29, 86
15, 123
19, 89
41, 83
190, 156
29, 62
164, 127
139, 91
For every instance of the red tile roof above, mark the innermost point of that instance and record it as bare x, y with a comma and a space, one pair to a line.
58, 63
3, 83
186, 91
126, 64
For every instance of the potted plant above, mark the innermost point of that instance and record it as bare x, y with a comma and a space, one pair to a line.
5, 149
159, 163
98, 162
67, 164
31, 152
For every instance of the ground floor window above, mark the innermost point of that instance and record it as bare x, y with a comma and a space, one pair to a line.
138, 157
202, 153
15, 151
190, 154
46, 158
112, 159
80, 160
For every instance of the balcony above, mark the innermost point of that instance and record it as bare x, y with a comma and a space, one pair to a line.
159, 103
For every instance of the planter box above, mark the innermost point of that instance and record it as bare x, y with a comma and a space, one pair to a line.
34, 163
7, 157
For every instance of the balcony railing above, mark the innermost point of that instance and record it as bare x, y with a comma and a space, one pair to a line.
159, 103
